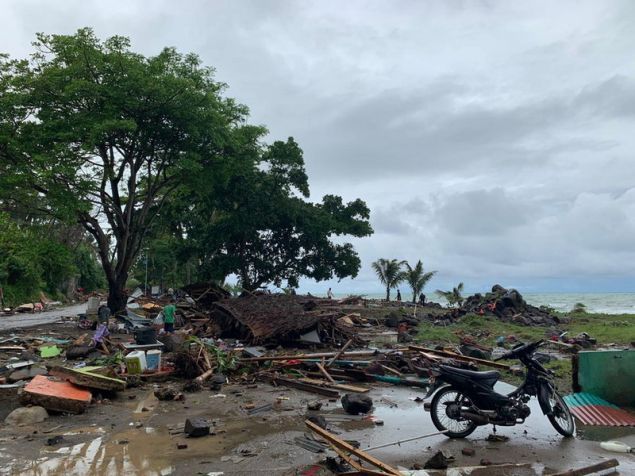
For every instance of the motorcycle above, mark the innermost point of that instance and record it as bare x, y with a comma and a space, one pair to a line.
465, 399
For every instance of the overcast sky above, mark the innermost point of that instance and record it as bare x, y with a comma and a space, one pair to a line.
494, 140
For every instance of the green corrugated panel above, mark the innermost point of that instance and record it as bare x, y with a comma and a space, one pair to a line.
585, 398
609, 374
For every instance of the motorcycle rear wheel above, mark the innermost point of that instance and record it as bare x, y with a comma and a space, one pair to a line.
456, 428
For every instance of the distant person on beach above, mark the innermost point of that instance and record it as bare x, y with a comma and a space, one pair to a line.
329, 294
398, 295
168, 317
422, 299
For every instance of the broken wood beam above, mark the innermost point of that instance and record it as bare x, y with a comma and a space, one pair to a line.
356, 353
339, 353
307, 387
337, 386
88, 379
205, 375
452, 355
343, 445
594, 468
325, 373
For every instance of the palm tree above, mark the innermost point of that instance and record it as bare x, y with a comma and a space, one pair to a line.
453, 297
417, 279
389, 273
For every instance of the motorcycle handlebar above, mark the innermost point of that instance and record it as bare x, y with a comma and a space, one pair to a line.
514, 353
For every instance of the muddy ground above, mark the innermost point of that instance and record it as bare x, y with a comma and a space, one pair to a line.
133, 433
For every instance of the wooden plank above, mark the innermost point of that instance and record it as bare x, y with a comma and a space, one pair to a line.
338, 386
391, 370
88, 379
594, 468
327, 392
359, 469
463, 358
343, 445
339, 353
325, 373
356, 353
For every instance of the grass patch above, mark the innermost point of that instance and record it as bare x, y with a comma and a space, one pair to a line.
606, 328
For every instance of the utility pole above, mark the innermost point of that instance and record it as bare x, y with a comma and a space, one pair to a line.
145, 287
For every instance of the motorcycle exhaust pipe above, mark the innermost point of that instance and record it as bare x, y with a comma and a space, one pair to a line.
476, 417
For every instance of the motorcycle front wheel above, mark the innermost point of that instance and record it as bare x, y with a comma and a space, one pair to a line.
560, 416
440, 413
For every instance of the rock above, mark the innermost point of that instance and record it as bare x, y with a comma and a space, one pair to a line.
314, 406
54, 440
192, 386
181, 446
497, 288
355, 404
78, 351
195, 427
168, 393
26, 416
468, 451
26, 373
486, 462
472, 351
438, 461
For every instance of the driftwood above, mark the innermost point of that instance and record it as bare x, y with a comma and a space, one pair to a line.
342, 445
594, 468
339, 353
357, 353
307, 387
452, 355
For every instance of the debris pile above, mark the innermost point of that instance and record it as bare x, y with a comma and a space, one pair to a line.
508, 305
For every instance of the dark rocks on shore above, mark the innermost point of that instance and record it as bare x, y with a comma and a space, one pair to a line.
508, 305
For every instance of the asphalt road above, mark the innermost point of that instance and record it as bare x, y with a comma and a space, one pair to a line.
39, 318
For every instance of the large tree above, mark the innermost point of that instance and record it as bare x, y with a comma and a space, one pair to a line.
417, 278
94, 133
389, 273
259, 224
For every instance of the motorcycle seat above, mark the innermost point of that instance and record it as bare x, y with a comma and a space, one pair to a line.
487, 375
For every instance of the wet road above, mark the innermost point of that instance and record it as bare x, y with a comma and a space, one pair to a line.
39, 318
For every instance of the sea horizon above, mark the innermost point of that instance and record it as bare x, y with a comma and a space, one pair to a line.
615, 302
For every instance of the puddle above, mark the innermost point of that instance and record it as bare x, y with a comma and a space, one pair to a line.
100, 457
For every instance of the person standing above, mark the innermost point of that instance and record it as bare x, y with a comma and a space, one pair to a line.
329, 294
398, 295
168, 317
422, 299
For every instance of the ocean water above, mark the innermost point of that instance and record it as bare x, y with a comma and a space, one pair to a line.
605, 303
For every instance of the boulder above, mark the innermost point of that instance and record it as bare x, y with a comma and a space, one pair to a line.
354, 403
26, 416
195, 427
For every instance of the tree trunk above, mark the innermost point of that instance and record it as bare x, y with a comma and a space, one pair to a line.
387, 293
117, 297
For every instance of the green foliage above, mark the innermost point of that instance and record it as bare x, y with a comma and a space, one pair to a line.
417, 278
454, 297
91, 274
32, 260
91, 132
389, 273
257, 224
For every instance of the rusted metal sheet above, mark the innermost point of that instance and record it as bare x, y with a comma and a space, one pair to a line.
593, 410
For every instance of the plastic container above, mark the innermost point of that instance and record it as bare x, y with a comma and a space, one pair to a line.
153, 360
136, 362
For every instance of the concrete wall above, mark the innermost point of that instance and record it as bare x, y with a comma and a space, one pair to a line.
609, 374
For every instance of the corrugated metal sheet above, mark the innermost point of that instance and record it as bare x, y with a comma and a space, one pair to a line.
593, 410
